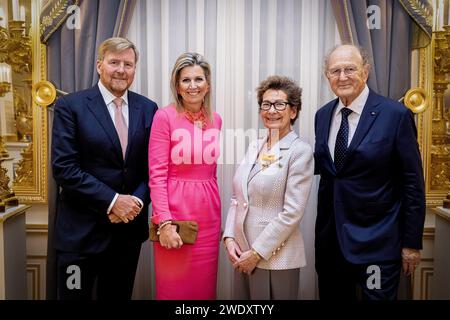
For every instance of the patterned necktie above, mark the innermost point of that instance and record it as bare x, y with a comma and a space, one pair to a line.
340, 148
121, 126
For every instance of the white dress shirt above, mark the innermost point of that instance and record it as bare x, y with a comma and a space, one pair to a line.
108, 97
357, 107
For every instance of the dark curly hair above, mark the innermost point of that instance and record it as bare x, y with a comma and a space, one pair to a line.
285, 84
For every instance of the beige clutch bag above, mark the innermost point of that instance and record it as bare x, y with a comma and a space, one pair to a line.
187, 230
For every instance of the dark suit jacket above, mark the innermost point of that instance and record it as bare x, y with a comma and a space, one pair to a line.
376, 201
88, 166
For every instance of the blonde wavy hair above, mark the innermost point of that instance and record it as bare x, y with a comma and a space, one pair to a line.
189, 59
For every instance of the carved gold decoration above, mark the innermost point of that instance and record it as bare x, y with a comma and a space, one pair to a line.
58, 9
24, 125
52, 20
416, 100
15, 48
421, 12
7, 197
3, 151
24, 118
31, 176
436, 135
5, 87
24, 171
44, 93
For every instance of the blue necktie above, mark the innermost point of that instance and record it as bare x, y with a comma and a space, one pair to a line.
340, 148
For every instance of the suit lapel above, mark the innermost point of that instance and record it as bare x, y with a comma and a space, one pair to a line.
280, 151
368, 116
134, 115
97, 106
253, 173
326, 131
250, 159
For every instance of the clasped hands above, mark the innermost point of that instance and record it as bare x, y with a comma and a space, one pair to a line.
125, 209
244, 262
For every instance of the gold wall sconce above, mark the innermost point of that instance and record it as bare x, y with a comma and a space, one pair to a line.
416, 99
44, 93
15, 44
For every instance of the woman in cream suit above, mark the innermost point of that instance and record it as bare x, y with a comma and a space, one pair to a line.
270, 190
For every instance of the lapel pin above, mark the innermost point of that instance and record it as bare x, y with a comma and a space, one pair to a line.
372, 113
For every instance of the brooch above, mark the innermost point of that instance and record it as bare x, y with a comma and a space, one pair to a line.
267, 159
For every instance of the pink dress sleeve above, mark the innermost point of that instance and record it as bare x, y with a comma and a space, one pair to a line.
218, 119
158, 160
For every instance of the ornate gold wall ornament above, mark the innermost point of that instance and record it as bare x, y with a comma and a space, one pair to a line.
7, 197
416, 100
5, 87
31, 176
434, 122
24, 172
3, 43
3, 151
15, 48
44, 93
24, 118
54, 14
421, 12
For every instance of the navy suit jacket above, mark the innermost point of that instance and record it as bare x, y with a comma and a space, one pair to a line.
376, 202
89, 168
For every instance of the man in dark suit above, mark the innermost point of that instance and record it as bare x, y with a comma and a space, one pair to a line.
100, 162
371, 203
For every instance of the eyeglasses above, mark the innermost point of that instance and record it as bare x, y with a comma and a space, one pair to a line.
279, 105
348, 71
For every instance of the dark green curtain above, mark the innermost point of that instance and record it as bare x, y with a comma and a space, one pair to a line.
71, 57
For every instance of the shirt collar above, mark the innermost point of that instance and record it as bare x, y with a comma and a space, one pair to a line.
358, 104
108, 97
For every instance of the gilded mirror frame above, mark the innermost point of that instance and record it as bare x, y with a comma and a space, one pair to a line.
435, 191
424, 118
34, 162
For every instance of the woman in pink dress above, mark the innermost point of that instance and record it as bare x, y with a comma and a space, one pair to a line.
183, 150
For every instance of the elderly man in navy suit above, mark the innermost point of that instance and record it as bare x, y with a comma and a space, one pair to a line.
371, 205
100, 162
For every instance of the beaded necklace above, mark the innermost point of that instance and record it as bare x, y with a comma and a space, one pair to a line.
198, 118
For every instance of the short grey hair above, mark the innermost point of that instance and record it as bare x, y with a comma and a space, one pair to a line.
366, 58
116, 44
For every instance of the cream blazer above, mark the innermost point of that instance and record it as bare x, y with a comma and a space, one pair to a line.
268, 203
